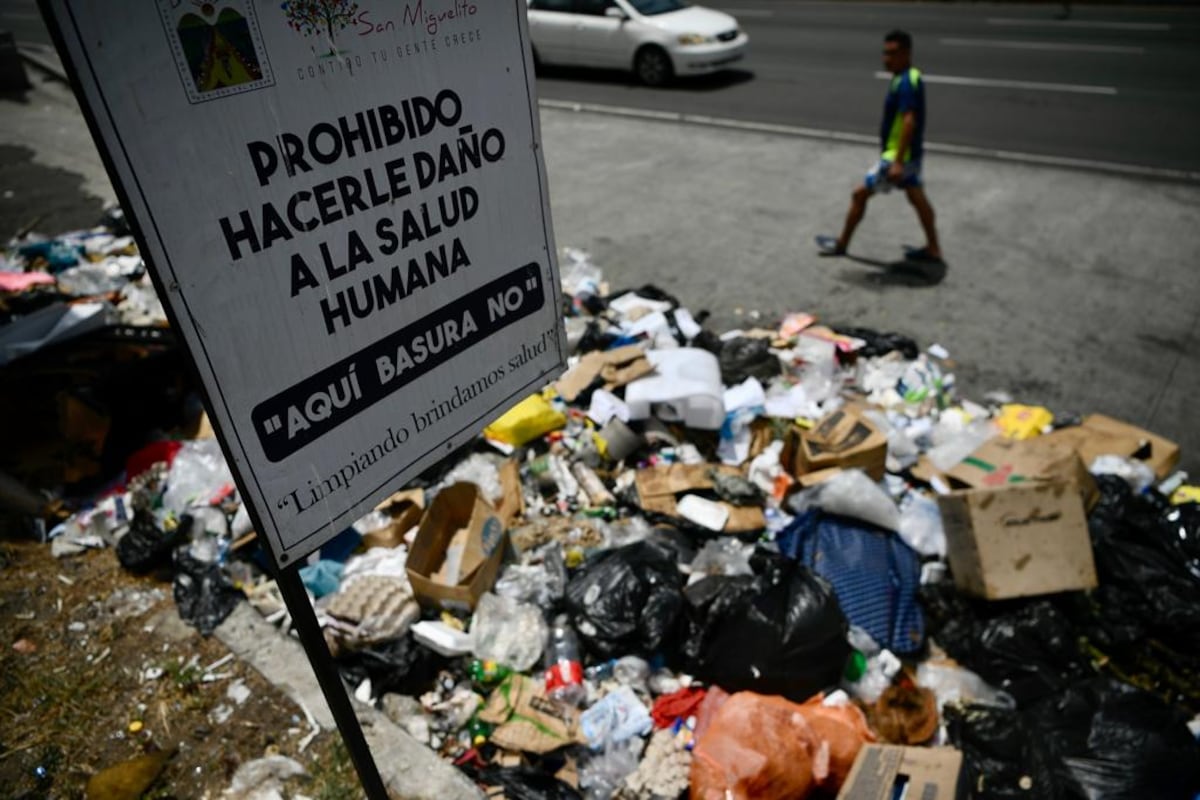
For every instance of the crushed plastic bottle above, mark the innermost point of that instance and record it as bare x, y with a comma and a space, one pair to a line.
564, 663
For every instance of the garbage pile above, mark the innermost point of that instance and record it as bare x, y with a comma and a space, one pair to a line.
780, 562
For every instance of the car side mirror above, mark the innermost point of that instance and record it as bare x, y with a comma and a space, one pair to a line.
615, 13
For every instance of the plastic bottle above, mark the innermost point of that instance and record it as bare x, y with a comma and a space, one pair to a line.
564, 663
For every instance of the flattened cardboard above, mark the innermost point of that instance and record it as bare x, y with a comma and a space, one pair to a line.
820, 476
457, 507
842, 439
1019, 540
658, 488
528, 720
617, 367
1099, 435
932, 773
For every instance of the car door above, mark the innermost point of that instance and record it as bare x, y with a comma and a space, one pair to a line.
601, 40
552, 30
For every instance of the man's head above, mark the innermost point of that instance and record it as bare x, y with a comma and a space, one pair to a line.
897, 51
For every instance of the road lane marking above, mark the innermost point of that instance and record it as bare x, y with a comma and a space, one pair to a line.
760, 13
968, 151
1050, 46
1080, 23
991, 83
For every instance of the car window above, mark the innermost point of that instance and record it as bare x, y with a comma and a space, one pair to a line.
593, 7
651, 7
550, 5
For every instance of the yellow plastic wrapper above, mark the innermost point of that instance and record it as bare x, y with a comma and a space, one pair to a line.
524, 422
1023, 422
1185, 494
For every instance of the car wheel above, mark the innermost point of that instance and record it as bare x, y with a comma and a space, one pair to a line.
652, 66
537, 62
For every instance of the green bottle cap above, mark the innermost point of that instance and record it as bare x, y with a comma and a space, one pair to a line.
856, 666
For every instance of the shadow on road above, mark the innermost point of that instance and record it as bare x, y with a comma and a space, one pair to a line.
37, 197
912, 274
696, 83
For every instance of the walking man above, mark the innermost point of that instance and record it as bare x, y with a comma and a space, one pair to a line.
901, 138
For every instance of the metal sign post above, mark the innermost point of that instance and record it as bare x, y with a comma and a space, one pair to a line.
296, 598
343, 207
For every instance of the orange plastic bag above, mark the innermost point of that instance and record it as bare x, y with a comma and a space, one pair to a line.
841, 728
768, 748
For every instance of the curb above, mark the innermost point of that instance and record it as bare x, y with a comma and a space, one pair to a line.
46, 62
967, 151
408, 768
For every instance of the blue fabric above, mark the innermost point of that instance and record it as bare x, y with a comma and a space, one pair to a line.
874, 574
322, 578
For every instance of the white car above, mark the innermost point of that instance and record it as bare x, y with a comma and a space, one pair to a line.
657, 39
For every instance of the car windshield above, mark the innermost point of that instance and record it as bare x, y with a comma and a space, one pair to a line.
651, 7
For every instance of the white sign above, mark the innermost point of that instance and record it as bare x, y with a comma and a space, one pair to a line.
345, 202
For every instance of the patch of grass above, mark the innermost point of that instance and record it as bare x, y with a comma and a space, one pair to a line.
186, 676
333, 775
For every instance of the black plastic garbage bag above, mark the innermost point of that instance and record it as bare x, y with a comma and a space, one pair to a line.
746, 357
1028, 648
779, 631
522, 783
1000, 759
627, 600
1029, 653
401, 666
203, 592
146, 547
1148, 560
650, 292
1100, 740
880, 343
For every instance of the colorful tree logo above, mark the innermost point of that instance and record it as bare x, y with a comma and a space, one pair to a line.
320, 17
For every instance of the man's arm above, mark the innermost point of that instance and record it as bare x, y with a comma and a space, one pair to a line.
907, 126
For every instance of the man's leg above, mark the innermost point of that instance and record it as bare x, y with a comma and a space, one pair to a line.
858, 207
916, 196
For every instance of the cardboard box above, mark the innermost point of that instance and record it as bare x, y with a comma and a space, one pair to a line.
844, 439
884, 772
458, 517
1019, 540
658, 488
512, 503
1006, 462
1099, 435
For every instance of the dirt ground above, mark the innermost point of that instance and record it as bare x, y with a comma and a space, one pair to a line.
97, 668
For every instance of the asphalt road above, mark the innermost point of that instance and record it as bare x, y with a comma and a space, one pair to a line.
1109, 84
1112, 84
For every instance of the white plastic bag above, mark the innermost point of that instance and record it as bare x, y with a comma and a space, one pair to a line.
921, 525
508, 632
954, 684
198, 472
852, 493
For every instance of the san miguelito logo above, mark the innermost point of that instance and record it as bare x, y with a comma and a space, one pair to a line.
217, 47
321, 20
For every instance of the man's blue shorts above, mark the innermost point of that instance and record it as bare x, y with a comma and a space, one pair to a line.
877, 181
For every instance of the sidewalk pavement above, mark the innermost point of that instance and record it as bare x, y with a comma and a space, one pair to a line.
1071, 289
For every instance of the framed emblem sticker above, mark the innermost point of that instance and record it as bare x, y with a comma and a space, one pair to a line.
217, 47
